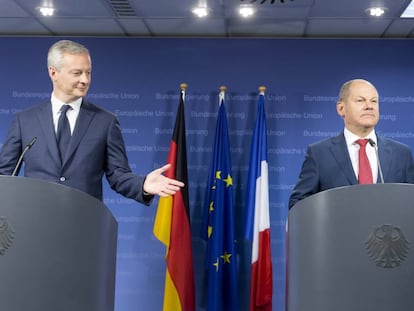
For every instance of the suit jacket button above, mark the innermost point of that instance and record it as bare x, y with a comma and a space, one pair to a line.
62, 178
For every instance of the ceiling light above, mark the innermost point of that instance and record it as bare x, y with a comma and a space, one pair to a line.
263, 1
246, 10
376, 11
45, 11
200, 11
409, 11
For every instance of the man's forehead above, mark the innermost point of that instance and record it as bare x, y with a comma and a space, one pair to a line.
363, 90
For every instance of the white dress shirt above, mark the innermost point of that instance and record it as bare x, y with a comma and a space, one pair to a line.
72, 114
353, 150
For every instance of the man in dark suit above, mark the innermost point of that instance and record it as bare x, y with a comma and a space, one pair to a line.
333, 162
95, 145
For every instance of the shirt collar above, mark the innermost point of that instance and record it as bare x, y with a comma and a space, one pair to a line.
350, 137
57, 104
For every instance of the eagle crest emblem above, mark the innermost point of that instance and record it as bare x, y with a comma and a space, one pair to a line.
387, 246
6, 235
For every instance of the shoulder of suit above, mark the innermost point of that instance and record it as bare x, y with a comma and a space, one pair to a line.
328, 141
95, 108
391, 143
35, 108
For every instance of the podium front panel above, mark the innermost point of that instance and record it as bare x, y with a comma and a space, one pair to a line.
60, 248
352, 248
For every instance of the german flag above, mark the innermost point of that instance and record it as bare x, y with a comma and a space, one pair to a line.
172, 225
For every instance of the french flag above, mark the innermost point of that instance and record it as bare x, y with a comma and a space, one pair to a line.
256, 216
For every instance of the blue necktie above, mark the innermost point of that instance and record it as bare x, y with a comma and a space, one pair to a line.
63, 131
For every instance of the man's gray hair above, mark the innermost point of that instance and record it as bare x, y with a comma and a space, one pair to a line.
56, 51
345, 89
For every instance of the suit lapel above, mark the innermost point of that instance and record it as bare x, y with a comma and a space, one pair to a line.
341, 154
385, 156
44, 115
85, 116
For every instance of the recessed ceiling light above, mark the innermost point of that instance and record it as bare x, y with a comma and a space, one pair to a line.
376, 11
200, 11
45, 11
246, 10
409, 11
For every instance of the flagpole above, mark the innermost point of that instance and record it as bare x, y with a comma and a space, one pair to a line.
222, 94
183, 87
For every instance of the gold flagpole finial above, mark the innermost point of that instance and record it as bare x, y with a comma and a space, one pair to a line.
262, 89
183, 86
223, 88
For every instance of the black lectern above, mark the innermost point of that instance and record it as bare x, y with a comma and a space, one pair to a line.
57, 248
352, 248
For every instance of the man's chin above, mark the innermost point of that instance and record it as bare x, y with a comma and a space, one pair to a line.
81, 94
369, 120
369, 125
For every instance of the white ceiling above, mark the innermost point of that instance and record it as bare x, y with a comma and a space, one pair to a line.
169, 18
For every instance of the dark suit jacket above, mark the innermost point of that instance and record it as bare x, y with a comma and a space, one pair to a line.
327, 165
96, 148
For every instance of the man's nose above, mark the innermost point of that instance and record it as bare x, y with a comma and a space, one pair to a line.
84, 78
369, 105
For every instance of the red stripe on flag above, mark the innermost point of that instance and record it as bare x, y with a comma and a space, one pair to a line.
261, 276
180, 256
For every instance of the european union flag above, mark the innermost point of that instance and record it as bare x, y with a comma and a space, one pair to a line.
218, 223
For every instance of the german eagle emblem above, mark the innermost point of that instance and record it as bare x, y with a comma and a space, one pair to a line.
387, 246
6, 235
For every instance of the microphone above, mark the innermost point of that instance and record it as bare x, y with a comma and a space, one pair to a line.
373, 144
28, 146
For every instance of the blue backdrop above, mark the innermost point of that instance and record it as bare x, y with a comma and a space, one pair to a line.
139, 79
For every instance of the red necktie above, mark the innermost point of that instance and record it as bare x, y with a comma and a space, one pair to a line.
365, 173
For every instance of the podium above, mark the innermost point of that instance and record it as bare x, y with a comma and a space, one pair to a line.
352, 248
57, 248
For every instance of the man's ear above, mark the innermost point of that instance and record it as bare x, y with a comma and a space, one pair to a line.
52, 72
340, 109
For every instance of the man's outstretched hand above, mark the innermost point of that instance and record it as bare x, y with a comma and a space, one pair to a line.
158, 184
